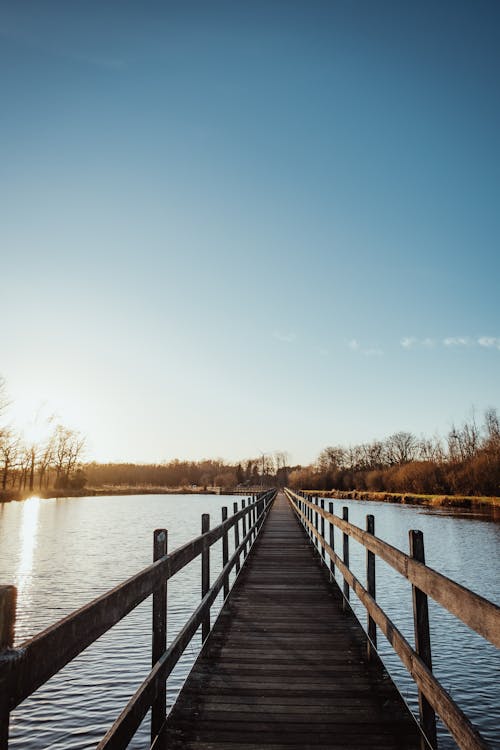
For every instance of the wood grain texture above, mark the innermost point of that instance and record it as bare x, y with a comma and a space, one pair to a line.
284, 666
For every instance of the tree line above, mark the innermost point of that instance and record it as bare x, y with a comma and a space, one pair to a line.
465, 462
27, 464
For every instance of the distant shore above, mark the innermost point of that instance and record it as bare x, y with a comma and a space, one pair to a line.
109, 490
401, 498
405, 498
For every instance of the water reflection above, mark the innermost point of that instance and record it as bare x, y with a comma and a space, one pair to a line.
65, 553
28, 538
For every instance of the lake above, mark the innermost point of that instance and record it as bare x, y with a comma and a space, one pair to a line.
61, 553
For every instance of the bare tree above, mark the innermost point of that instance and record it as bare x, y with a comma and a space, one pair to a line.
9, 451
331, 458
68, 448
401, 448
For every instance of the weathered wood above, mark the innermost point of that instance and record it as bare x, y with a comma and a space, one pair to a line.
345, 552
244, 525
159, 707
464, 733
8, 599
225, 553
332, 541
205, 576
322, 528
123, 729
422, 639
236, 536
475, 611
42, 656
282, 666
370, 585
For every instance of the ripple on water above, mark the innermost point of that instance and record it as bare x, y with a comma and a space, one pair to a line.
82, 547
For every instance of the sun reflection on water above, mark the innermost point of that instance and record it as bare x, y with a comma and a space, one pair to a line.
28, 538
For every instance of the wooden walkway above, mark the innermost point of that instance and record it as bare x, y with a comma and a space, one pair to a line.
284, 667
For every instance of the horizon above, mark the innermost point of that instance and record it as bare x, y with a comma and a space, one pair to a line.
249, 229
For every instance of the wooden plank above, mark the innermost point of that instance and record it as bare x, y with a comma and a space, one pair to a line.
467, 737
284, 665
123, 729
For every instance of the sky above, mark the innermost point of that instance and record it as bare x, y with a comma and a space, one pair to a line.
255, 226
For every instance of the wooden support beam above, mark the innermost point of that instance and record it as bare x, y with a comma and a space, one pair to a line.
236, 537
345, 553
205, 576
332, 542
370, 586
422, 639
8, 600
244, 524
159, 707
225, 553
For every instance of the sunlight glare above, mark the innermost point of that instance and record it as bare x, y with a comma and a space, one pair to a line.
28, 541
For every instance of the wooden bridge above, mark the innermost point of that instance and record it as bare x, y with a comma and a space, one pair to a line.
286, 664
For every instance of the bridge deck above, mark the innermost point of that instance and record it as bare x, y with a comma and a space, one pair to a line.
284, 666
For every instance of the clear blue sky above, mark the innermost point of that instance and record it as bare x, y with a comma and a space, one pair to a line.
240, 226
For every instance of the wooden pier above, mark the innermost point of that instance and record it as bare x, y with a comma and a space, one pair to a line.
284, 666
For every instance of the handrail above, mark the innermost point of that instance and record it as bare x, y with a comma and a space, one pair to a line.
25, 668
475, 611
124, 728
426, 579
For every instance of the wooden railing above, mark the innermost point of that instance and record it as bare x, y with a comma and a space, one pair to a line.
25, 668
478, 613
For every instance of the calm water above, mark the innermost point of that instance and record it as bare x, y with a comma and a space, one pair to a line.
62, 553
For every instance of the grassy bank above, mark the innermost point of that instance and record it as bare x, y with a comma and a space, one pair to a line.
450, 501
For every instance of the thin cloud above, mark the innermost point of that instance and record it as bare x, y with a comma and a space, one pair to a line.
287, 338
451, 342
370, 351
457, 341
489, 342
410, 342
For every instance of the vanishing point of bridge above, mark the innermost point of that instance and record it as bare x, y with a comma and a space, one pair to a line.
286, 664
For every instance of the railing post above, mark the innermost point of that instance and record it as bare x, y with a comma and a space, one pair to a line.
345, 544
316, 525
332, 542
244, 525
159, 706
8, 599
205, 575
422, 640
236, 536
370, 584
225, 554
321, 551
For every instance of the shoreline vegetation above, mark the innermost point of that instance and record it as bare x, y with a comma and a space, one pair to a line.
461, 469
484, 503
112, 490
405, 498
